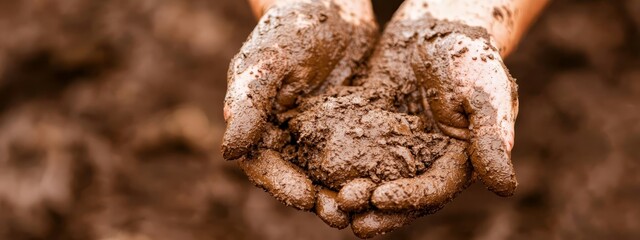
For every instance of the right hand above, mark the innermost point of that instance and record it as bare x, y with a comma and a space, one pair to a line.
297, 47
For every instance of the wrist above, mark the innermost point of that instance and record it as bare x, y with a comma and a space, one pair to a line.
504, 20
355, 11
258, 7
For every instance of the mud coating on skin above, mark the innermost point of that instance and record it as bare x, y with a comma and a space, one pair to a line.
431, 190
282, 179
373, 223
327, 209
296, 46
354, 196
372, 135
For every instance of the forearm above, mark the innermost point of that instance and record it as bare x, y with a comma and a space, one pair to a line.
353, 10
260, 6
505, 20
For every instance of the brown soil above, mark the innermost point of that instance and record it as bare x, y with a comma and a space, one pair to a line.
379, 131
140, 84
354, 133
320, 46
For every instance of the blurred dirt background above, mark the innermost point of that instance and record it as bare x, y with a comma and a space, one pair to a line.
111, 121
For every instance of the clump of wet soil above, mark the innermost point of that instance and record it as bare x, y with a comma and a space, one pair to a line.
353, 132
576, 147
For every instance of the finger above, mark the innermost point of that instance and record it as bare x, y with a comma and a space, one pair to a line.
355, 195
490, 151
375, 222
431, 66
449, 175
470, 67
253, 83
492, 107
285, 181
327, 209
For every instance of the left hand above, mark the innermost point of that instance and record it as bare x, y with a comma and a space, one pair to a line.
465, 88
472, 97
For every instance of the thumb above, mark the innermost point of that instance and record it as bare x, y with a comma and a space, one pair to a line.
466, 79
492, 136
253, 83
492, 104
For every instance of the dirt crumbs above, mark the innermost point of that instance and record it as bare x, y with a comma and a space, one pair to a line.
274, 67
577, 136
353, 134
335, 146
330, 153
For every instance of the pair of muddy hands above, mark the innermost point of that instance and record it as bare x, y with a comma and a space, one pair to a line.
372, 136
